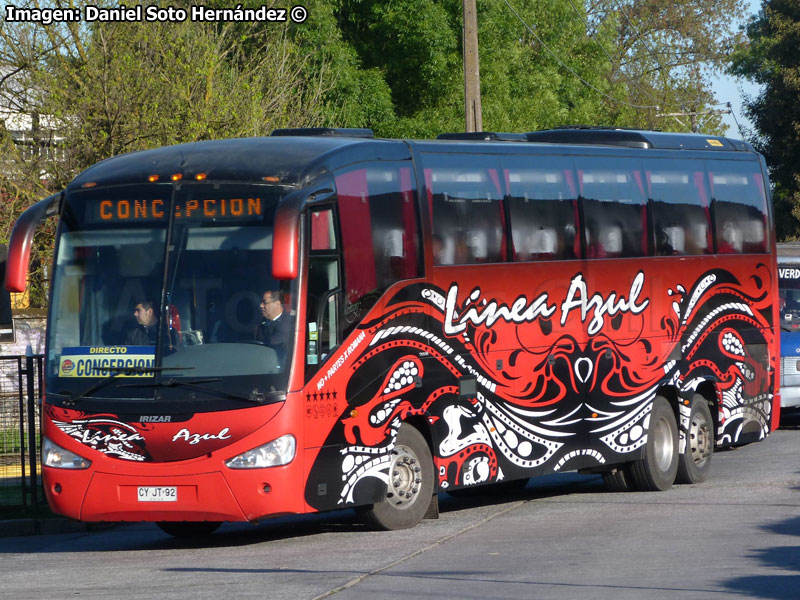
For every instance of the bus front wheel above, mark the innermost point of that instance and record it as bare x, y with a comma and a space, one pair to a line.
410, 486
657, 468
695, 463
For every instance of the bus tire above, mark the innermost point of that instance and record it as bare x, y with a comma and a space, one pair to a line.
187, 529
694, 464
410, 487
617, 479
657, 468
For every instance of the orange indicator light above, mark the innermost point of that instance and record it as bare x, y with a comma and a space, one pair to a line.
200, 176
271, 179
177, 177
89, 184
152, 178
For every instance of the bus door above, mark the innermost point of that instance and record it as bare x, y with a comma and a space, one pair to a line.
323, 289
357, 249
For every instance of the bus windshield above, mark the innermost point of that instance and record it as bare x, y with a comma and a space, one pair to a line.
162, 289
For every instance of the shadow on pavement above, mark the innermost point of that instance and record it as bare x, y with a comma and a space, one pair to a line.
784, 584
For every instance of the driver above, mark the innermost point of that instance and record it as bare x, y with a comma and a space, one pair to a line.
275, 328
146, 331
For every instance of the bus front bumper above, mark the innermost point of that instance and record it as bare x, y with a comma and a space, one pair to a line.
224, 495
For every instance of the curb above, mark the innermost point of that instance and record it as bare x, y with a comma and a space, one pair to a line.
45, 526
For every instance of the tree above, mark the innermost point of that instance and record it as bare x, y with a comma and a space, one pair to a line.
120, 87
543, 63
772, 60
665, 52
417, 46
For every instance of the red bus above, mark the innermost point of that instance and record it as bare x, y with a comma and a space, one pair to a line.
315, 320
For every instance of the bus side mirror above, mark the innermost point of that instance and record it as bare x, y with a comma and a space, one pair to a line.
286, 240
19, 247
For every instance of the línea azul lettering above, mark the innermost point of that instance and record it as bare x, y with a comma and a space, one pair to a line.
480, 312
521, 311
578, 297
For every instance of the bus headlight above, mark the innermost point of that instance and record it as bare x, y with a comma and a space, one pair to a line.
57, 457
273, 454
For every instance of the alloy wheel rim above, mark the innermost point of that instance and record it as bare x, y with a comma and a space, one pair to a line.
404, 477
699, 439
662, 444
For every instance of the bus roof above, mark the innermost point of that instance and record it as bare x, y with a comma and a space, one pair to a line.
274, 159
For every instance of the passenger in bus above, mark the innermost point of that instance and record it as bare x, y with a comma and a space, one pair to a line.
146, 331
730, 241
276, 327
670, 241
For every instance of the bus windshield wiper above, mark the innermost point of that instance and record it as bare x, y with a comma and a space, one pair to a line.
255, 396
116, 372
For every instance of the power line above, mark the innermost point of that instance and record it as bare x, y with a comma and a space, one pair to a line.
694, 114
735, 120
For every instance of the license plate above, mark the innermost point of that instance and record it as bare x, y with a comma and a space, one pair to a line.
158, 494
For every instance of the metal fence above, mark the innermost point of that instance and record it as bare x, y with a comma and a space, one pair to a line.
20, 432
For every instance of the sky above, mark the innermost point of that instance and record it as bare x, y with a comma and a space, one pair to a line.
730, 89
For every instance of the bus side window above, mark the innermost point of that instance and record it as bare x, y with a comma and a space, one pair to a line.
740, 208
679, 208
614, 207
466, 202
542, 206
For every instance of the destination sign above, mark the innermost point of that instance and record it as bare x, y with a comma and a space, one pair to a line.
156, 209
102, 361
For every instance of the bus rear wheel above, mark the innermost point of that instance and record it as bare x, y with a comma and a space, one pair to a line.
694, 464
186, 529
410, 487
657, 468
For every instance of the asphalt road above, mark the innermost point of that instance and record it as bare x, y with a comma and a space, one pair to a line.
563, 537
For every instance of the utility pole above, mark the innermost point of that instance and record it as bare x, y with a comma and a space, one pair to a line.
472, 74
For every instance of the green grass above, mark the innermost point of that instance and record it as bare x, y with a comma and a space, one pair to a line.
9, 441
